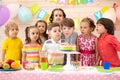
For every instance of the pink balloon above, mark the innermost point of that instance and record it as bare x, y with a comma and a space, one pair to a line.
13, 8
118, 12
4, 14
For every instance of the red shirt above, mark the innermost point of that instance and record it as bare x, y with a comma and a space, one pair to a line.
108, 46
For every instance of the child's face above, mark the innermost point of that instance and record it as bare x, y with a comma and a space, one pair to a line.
13, 32
33, 34
67, 31
58, 16
42, 27
55, 33
85, 28
101, 29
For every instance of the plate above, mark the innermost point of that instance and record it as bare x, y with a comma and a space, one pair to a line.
111, 70
56, 68
9, 69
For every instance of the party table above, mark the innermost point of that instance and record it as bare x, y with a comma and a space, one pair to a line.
54, 75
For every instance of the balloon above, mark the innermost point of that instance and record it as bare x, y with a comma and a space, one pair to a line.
24, 14
110, 14
4, 14
13, 9
118, 12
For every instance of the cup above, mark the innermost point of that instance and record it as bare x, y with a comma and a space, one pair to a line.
24, 63
106, 65
43, 60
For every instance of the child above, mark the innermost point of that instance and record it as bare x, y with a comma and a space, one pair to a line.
86, 43
12, 45
57, 15
42, 25
53, 45
108, 45
32, 46
68, 33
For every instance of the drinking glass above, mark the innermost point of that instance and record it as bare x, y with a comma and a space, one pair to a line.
43, 60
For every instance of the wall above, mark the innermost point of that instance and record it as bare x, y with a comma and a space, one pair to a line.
72, 11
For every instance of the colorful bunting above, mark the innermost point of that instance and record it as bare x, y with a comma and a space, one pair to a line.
104, 9
72, 2
77, 23
98, 15
41, 14
62, 2
34, 8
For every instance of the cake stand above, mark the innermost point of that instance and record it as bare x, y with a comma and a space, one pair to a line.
68, 66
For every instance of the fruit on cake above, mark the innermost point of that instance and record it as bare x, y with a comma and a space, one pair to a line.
68, 47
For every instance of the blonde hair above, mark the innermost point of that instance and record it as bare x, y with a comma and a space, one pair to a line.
8, 26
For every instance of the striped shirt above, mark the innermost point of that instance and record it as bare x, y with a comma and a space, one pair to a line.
51, 46
32, 52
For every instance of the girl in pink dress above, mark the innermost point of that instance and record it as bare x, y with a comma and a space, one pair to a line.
86, 43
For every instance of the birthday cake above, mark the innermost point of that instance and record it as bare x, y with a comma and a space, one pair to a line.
68, 47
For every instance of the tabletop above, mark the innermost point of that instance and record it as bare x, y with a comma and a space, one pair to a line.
83, 74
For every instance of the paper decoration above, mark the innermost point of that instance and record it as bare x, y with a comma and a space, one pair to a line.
54, 1
110, 14
77, 23
87, 1
77, 2
71, 2
34, 8
98, 15
82, 1
62, 1
104, 9
47, 18
42, 13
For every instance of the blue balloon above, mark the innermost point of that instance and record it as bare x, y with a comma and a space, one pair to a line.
4, 14
24, 14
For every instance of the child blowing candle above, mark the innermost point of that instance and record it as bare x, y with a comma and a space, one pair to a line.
108, 45
53, 45
87, 43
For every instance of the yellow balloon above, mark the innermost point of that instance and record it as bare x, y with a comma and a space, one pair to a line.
34, 8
